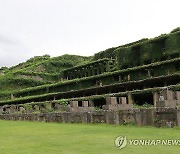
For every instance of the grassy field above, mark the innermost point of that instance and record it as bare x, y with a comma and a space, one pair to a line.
35, 137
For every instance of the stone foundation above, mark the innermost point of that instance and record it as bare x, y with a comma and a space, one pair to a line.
161, 117
166, 98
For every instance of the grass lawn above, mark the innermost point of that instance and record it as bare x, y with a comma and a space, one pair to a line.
38, 137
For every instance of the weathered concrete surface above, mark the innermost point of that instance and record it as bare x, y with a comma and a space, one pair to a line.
167, 103
115, 103
166, 98
159, 117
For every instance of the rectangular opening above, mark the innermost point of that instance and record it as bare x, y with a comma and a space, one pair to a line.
117, 100
98, 103
79, 103
143, 99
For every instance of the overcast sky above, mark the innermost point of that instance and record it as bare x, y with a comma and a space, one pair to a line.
36, 27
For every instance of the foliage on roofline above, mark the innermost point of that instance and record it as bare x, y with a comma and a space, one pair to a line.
97, 76
35, 73
112, 49
90, 63
38, 63
175, 30
144, 91
162, 36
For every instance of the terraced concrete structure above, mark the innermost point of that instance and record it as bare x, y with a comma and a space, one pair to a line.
142, 72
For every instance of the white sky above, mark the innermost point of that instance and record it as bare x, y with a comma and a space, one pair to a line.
36, 27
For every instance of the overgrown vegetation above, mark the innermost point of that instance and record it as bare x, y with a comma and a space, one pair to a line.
145, 105
37, 71
88, 81
43, 75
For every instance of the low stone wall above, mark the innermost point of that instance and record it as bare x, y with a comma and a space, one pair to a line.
143, 117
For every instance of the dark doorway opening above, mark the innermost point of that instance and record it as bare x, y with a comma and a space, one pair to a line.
99, 102
142, 99
79, 103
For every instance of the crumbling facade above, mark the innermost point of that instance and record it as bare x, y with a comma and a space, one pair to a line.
144, 72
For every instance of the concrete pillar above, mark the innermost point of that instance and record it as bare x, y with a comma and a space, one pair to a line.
12, 108
22, 109
129, 77
85, 103
12, 96
122, 100
120, 78
111, 101
36, 108
1, 109
149, 73
178, 95
164, 94
155, 98
91, 103
74, 103
130, 99
48, 105
170, 94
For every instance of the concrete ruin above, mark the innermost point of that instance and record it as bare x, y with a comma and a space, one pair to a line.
162, 117
115, 81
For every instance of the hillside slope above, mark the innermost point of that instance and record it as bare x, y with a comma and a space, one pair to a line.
36, 71
41, 70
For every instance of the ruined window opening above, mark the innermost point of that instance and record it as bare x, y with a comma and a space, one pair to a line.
141, 99
118, 101
174, 55
177, 67
160, 84
172, 82
95, 72
136, 64
90, 73
99, 102
79, 103
122, 77
117, 89
147, 62
144, 73
124, 66
53, 105
163, 58
116, 78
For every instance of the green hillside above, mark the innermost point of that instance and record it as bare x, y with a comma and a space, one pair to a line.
36, 71
42, 70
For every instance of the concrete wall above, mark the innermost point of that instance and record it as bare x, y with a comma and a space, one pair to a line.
166, 98
143, 117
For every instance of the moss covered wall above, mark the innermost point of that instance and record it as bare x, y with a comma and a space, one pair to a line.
161, 48
90, 69
143, 59
138, 73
